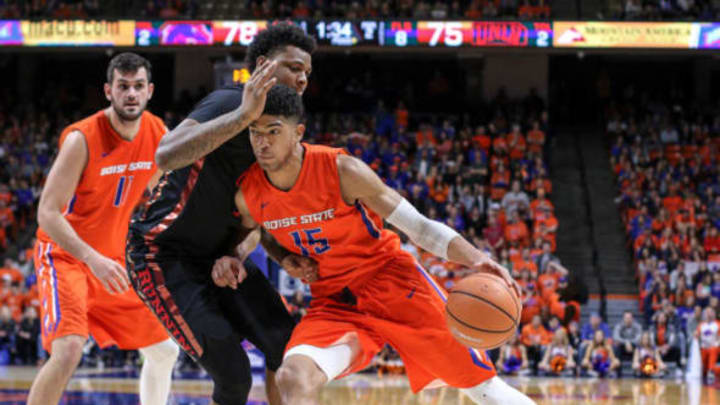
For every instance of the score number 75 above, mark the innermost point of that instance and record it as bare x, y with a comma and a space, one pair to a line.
452, 30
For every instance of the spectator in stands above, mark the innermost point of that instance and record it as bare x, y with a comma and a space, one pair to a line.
559, 357
7, 222
7, 333
574, 336
646, 360
490, 10
516, 201
516, 232
513, 358
708, 333
534, 338
599, 359
27, 337
540, 203
669, 341
588, 330
626, 336
693, 322
546, 257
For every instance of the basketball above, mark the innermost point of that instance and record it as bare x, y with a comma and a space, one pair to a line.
482, 311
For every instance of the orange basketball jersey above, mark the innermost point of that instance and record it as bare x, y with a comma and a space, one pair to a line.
311, 219
114, 179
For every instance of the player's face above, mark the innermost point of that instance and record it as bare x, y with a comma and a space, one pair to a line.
129, 93
273, 140
293, 69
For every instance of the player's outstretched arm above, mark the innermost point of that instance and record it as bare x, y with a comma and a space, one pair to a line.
359, 183
191, 140
59, 189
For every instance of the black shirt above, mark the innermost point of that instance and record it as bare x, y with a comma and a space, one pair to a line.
190, 211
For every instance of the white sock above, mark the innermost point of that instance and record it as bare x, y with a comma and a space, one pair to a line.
156, 373
496, 392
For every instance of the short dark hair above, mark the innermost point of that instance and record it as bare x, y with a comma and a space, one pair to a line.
128, 62
284, 101
276, 37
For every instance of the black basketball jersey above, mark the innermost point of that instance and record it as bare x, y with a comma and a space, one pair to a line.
190, 211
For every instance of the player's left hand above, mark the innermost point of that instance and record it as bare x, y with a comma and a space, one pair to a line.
228, 271
488, 265
300, 267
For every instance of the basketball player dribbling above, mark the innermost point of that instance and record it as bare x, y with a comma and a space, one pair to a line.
321, 203
105, 164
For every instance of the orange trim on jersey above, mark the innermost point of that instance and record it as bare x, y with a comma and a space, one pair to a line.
184, 195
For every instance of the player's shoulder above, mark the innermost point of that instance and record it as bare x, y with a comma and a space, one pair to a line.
87, 127
224, 95
253, 174
323, 150
216, 103
153, 124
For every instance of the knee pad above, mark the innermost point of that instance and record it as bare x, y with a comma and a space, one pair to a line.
164, 352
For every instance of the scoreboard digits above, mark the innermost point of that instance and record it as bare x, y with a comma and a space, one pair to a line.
400, 33
236, 32
448, 33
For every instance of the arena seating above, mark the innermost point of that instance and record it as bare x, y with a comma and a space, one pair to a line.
666, 167
300, 9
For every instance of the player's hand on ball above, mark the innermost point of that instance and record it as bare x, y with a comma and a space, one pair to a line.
256, 89
300, 267
110, 273
228, 271
489, 265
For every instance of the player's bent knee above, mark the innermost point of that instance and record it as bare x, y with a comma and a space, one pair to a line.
231, 392
299, 375
68, 350
165, 352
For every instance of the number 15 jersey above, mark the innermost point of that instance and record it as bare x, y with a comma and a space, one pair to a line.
312, 219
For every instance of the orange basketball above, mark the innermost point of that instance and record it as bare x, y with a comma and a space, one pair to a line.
483, 311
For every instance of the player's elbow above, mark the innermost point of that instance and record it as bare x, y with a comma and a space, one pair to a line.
163, 157
44, 214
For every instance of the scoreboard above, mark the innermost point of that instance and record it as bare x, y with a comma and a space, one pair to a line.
392, 33
352, 33
467, 33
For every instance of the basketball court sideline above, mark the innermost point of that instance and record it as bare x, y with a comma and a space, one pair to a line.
119, 387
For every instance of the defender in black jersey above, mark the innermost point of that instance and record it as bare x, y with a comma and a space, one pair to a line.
187, 227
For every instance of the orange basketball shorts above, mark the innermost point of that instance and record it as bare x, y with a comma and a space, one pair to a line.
400, 305
74, 302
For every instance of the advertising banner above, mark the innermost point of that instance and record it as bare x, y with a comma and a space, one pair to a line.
78, 33
588, 34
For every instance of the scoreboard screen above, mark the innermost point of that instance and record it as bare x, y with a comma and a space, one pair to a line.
467, 33
172, 33
342, 32
327, 32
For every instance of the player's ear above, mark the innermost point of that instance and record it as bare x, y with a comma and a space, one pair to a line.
107, 89
151, 89
259, 61
300, 131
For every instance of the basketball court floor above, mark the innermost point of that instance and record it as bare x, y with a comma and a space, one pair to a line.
119, 387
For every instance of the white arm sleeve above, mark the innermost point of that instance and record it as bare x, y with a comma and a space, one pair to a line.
430, 235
